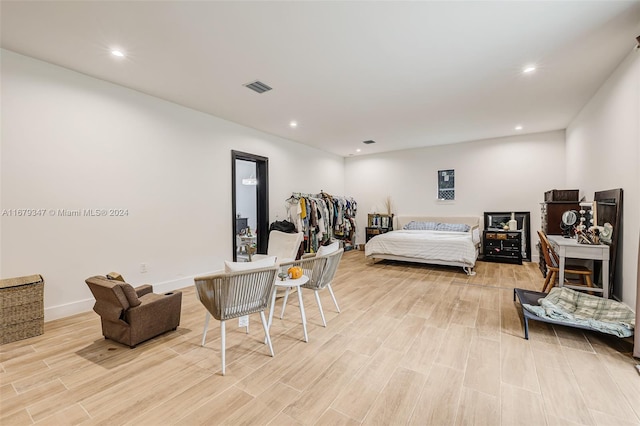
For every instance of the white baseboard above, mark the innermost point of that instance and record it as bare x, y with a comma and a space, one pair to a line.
56, 312
61, 311
168, 286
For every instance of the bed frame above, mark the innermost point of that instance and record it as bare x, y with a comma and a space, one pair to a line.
400, 221
532, 298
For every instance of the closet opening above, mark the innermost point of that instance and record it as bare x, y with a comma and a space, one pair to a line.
249, 204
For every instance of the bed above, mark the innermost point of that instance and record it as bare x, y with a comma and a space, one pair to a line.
570, 308
433, 243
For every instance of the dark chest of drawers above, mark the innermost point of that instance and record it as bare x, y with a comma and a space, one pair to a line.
502, 246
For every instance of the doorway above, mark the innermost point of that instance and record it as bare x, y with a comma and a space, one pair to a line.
249, 203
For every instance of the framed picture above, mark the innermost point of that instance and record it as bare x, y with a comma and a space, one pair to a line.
446, 185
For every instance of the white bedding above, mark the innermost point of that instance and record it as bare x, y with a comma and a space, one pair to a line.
427, 246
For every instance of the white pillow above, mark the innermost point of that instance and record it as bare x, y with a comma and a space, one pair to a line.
247, 266
331, 248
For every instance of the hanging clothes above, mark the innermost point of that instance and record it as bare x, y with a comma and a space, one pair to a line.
293, 212
322, 217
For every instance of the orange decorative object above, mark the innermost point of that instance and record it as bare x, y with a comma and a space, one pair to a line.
295, 272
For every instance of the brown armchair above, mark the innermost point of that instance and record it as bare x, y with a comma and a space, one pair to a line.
132, 315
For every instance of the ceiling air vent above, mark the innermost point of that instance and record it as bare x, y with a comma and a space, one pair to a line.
368, 142
258, 86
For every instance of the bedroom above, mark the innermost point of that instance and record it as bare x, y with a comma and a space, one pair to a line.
553, 159
73, 141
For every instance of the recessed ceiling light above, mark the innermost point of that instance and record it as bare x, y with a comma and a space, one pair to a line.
293, 124
358, 150
529, 69
518, 127
117, 53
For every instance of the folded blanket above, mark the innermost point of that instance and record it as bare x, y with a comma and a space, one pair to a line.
573, 307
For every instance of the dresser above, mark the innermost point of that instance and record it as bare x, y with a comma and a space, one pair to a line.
502, 246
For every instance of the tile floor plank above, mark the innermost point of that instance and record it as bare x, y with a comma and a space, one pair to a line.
398, 398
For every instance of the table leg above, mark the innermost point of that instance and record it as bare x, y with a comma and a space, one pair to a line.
284, 302
561, 267
304, 318
605, 278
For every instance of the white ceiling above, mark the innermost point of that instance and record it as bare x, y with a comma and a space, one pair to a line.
405, 74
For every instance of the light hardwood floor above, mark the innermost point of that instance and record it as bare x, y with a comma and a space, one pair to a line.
414, 344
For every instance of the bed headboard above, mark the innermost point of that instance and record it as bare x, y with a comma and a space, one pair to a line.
472, 221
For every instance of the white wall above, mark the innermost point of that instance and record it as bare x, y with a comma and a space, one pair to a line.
603, 153
74, 142
505, 174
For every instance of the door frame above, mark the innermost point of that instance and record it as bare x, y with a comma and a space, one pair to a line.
262, 202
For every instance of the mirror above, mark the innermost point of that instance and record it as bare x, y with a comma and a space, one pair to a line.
246, 209
250, 201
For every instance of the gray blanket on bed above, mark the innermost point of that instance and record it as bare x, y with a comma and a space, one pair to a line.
573, 307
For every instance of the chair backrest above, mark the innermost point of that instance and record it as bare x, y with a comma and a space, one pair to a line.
550, 256
232, 295
284, 245
322, 270
112, 297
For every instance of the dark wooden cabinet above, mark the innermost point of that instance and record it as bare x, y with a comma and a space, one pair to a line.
502, 246
557, 201
378, 224
373, 231
551, 215
495, 221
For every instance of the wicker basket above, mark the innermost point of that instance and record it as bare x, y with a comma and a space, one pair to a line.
21, 308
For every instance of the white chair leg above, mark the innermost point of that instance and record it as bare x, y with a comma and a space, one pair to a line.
324, 323
222, 344
284, 302
273, 306
302, 315
266, 332
206, 326
335, 302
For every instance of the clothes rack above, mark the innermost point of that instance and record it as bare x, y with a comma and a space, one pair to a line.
323, 217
